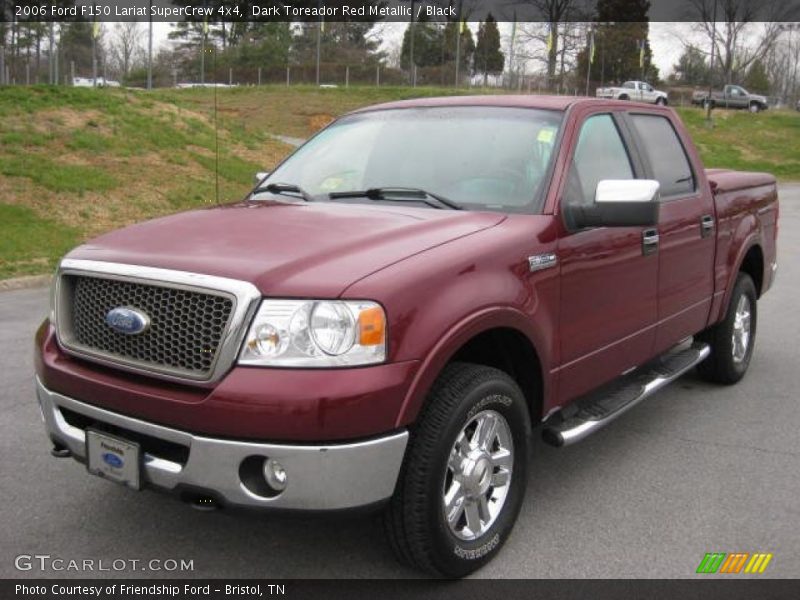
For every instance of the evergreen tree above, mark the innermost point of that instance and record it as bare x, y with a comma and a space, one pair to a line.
467, 45
428, 39
757, 79
76, 46
692, 68
622, 25
343, 42
488, 57
264, 45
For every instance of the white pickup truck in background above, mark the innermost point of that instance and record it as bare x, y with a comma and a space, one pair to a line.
634, 90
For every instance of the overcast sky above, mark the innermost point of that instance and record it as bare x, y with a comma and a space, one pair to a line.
665, 39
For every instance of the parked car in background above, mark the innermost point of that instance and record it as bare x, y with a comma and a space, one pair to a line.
90, 82
639, 91
731, 96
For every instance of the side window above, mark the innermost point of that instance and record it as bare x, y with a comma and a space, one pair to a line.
599, 154
666, 154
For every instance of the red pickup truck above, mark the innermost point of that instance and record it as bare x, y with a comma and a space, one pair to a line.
390, 313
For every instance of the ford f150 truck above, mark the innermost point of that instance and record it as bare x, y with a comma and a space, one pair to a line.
639, 91
391, 312
731, 96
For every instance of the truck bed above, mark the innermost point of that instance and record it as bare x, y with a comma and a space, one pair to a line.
746, 207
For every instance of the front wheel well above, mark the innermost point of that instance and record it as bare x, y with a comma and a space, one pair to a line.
513, 353
753, 265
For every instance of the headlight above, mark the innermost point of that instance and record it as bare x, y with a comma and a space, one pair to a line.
316, 333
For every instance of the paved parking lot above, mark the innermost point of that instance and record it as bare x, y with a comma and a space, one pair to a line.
695, 469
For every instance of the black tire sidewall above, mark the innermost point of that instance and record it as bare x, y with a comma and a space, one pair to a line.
744, 286
452, 556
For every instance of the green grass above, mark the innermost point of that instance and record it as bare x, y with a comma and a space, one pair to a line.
75, 162
30, 244
739, 140
57, 177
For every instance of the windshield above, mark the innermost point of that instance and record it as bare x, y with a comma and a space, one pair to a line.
493, 158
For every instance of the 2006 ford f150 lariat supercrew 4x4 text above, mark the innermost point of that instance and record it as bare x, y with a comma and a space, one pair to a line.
391, 312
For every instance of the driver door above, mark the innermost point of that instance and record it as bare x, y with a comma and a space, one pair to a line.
608, 277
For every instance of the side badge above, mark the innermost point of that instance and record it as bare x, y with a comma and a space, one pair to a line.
537, 262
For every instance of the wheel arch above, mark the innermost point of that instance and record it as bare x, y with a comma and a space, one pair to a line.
500, 338
750, 260
752, 263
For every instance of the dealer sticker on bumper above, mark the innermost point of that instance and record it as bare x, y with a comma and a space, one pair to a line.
113, 458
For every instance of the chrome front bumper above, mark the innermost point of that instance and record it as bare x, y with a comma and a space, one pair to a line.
323, 477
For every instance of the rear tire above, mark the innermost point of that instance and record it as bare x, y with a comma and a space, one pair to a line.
624, 97
460, 489
733, 339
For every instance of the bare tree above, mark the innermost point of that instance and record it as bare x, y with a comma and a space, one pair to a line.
735, 36
783, 63
127, 45
552, 41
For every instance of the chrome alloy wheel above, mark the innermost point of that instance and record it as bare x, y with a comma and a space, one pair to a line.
478, 475
741, 329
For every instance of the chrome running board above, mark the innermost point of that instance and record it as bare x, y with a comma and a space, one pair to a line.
600, 408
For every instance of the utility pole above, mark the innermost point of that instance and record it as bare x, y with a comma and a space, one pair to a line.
411, 48
319, 36
589, 57
711, 68
150, 47
203, 54
95, 29
50, 79
458, 39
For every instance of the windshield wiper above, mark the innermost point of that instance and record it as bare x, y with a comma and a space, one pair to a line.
399, 194
282, 188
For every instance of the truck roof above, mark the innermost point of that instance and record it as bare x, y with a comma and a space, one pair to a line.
560, 103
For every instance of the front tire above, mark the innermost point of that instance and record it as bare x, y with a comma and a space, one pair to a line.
661, 102
733, 339
755, 107
463, 478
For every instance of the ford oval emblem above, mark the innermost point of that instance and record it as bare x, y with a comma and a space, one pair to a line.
127, 320
112, 460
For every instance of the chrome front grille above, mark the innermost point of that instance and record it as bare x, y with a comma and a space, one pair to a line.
193, 334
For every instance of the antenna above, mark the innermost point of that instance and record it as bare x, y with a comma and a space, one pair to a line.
216, 128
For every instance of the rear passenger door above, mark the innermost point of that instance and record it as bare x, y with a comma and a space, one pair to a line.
686, 230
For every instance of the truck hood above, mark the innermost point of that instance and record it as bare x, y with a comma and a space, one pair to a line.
286, 249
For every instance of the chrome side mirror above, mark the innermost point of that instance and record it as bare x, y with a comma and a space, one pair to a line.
626, 190
618, 203
260, 176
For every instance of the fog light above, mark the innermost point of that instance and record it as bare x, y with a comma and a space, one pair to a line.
275, 475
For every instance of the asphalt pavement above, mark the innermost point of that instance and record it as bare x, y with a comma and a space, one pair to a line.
695, 469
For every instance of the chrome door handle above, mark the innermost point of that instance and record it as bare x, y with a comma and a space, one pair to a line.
706, 225
649, 241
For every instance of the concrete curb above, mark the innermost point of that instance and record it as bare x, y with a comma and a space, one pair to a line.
21, 283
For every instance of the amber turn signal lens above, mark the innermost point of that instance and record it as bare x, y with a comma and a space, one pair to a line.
371, 326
